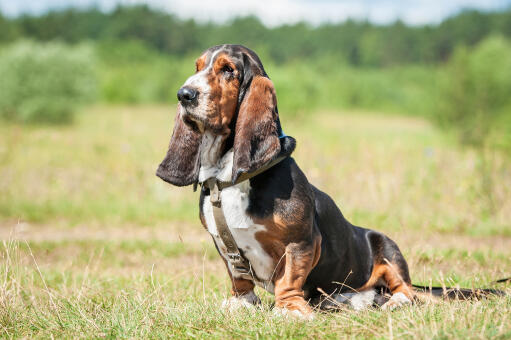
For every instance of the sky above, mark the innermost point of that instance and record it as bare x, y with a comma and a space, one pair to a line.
278, 12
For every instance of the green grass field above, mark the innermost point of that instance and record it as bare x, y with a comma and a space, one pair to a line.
95, 245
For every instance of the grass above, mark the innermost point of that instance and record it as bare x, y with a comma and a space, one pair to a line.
134, 288
95, 246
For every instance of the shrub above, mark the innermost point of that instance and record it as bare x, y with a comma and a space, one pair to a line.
332, 84
475, 100
45, 82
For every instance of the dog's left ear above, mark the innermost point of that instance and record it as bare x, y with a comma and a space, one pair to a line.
256, 139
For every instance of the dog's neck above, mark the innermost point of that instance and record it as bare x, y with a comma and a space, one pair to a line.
214, 161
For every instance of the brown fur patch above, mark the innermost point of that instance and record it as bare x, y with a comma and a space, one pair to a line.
389, 274
200, 63
224, 93
293, 260
290, 279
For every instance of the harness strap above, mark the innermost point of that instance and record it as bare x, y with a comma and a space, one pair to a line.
234, 257
239, 263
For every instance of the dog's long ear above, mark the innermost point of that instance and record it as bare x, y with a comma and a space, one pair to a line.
181, 164
256, 139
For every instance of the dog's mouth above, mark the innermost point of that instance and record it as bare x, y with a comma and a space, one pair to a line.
200, 123
194, 121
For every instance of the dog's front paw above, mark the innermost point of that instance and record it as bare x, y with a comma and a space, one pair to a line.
294, 313
235, 303
397, 300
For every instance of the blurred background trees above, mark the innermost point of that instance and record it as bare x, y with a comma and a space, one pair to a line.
456, 73
357, 43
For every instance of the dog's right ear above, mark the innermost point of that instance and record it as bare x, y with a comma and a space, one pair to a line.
182, 162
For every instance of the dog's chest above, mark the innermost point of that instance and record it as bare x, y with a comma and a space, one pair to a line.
235, 201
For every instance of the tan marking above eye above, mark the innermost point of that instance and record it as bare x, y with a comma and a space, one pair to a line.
200, 63
223, 61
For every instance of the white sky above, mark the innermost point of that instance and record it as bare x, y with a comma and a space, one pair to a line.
277, 12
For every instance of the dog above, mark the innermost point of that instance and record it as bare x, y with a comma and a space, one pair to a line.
271, 227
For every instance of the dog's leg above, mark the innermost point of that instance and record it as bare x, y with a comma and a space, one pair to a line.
243, 295
396, 279
401, 290
289, 294
390, 269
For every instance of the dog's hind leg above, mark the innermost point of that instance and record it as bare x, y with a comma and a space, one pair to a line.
401, 290
391, 276
391, 270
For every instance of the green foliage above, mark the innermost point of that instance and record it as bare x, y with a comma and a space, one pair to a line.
475, 103
475, 100
134, 73
131, 72
145, 55
7, 29
357, 43
45, 82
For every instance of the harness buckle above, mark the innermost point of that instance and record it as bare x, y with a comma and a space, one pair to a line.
238, 263
234, 257
214, 192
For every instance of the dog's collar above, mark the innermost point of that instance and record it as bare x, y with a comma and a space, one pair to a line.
212, 181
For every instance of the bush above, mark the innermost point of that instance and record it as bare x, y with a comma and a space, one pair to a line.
475, 101
331, 84
45, 82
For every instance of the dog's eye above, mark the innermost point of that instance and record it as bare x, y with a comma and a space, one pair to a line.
227, 69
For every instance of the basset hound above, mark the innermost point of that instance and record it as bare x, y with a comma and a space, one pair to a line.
293, 236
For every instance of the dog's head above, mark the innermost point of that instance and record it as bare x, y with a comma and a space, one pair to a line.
229, 95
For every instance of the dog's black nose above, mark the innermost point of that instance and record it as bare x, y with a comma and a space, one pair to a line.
186, 94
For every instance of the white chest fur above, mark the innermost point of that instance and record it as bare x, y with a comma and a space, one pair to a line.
234, 205
235, 201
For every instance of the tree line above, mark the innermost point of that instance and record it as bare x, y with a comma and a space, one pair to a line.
358, 43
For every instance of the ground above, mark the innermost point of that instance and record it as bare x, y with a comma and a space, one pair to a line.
96, 246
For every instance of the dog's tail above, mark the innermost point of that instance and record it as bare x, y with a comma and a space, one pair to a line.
379, 296
452, 293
